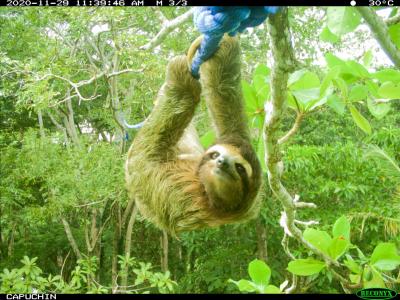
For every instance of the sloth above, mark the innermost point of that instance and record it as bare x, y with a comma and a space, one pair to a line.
176, 184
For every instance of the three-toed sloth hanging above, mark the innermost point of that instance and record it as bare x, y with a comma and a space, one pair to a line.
177, 184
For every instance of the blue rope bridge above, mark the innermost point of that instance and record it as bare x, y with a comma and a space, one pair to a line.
214, 21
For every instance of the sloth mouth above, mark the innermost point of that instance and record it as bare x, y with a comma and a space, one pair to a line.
224, 172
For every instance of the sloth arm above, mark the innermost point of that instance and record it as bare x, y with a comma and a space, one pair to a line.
220, 77
174, 109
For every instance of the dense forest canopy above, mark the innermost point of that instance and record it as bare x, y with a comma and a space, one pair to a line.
71, 80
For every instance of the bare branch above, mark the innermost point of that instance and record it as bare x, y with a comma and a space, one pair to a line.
393, 20
380, 31
167, 27
293, 130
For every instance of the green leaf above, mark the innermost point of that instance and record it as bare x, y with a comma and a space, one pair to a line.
293, 104
342, 85
367, 58
357, 69
272, 289
358, 92
360, 120
305, 267
376, 280
336, 103
207, 139
385, 257
341, 20
341, 228
372, 88
303, 80
244, 285
387, 75
326, 82
389, 90
394, 33
305, 96
333, 61
259, 272
378, 109
261, 86
250, 97
327, 36
338, 247
261, 70
318, 238
352, 265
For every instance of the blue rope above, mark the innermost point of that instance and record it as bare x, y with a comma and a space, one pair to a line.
214, 21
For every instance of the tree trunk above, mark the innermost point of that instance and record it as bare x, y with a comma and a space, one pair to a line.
128, 243
261, 240
71, 238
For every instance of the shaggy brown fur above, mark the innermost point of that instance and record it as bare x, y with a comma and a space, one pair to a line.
177, 185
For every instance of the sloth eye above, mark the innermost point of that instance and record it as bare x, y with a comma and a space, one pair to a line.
214, 155
240, 168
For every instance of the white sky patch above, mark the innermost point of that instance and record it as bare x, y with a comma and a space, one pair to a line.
96, 29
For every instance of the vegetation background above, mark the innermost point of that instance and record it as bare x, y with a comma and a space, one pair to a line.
71, 76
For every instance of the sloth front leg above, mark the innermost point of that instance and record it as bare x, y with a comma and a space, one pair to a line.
174, 109
220, 77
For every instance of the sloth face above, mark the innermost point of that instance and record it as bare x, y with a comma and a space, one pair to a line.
225, 175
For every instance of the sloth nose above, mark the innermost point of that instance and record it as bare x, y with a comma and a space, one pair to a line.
222, 162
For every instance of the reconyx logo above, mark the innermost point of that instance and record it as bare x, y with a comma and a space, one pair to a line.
376, 293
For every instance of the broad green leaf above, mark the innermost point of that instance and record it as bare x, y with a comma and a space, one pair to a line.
318, 238
372, 88
327, 36
250, 97
385, 257
352, 265
394, 33
259, 272
389, 90
272, 289
333, 61
338, 247
305, 267
358, 92
376, 280
354, 278
378, 109
207, 139
261, 70
341, 19
342, 86
303, 80
367, 58
341, 228
244, 285
295, 76
316, 103
326, 82
360, 120
357, 69
293, 104
305, 96
387, 75
261, 87
336, 103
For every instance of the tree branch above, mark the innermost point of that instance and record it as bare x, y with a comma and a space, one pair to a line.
167, 27
284, 63
393, 20
71, 238
380, 31
293, 130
